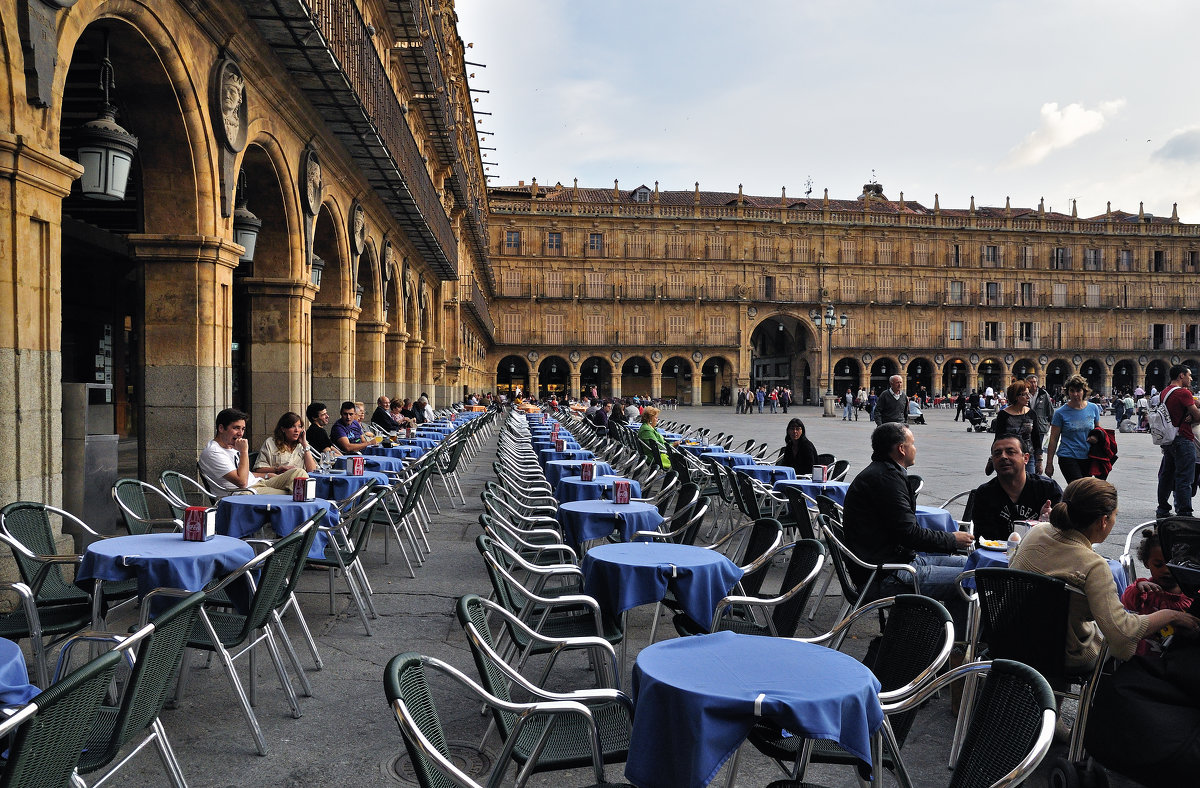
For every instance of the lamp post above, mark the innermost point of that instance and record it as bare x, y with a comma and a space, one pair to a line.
829, 321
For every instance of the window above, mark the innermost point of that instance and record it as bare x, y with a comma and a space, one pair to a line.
596, 243
956, 292
767, 288
1062, 259
512, 241
799, 250
510, 327
1160, 336
641, 194
991, 331
1026, 295
1191, 261
594, 281
1091, 332
553, 329
991, 293
1191, 336
1025, 257
636, 331
883, 290
849, 289
676, 246
885, 332
676, 286
956, 255
554, 284
554, 244
594, 330
1125, 260
921, 331
764, 249
1127, 335
1092, 295
802, 291
1060, 294
954, 331
677, 326
849, 251
920, 253
885, 252
716, 329
636, 245
991, 257
714, 247
716, 287
511, 284
1158, 262
635, 286
1025, 331
1093, 260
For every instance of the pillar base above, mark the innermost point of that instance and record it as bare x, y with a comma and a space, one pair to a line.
830, 402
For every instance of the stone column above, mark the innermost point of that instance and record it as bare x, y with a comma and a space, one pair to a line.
279, 369
188, 333
616, 381
369, 367
394, 350
697, 390
412, 368
655, 384
33, 183
333, 354
575, 385
533, 392
426, 377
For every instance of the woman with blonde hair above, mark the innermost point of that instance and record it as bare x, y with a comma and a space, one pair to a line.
648, 433
1069, 430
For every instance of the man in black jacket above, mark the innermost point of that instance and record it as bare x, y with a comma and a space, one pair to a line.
880, 518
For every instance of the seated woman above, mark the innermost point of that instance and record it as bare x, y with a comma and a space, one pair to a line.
1063, 549
286, 449
648, 433
798, 450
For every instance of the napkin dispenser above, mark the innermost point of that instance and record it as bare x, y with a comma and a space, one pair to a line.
356, 465
621, 492
587, 471
304, 489
560, 444
820, 473
199, 524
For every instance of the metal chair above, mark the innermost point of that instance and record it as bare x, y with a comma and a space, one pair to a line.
343, 553
29, 620
131, 496
184, 491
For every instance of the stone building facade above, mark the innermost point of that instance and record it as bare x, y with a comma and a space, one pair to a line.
681, 294
344, 126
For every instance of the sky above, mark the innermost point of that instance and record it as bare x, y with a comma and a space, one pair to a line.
1093, 100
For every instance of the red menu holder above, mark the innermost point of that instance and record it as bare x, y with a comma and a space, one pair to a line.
356, 466
820, 473
409, 432
304, 489
560, 445
587, 471
199, 524
621, 492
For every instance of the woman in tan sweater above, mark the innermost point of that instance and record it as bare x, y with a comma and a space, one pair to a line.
1063, 549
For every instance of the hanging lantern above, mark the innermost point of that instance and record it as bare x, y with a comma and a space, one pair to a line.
635, 369
318, 266
511, 367
846, 369
245, 224
105, 149
358, 294
595, 369
676, 369
553, 368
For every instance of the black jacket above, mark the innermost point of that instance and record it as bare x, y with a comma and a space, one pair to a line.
880, 517
801, 455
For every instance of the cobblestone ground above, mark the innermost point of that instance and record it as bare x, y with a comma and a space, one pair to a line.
347, 736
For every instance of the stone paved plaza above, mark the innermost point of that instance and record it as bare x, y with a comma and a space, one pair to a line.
347, 736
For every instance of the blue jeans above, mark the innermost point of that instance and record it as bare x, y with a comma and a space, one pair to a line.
938, 578
847, 412
1175, 474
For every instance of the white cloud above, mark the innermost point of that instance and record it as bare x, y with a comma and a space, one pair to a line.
1183, 145
1060, 128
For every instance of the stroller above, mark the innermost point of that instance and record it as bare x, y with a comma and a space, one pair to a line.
975, 419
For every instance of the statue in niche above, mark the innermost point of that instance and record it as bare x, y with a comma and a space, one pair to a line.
233, 95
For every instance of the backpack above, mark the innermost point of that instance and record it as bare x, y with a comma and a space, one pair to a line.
1162, 429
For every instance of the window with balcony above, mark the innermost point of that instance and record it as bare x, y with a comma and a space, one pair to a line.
1061, 259
1025, 295
920, 253
1092, 295
596, 243
1160, 336
593, 327
554, 243
635, 333
1060, 294
991, 331
1025, 331
716, 287
1158, 295
511, 283
512, 241
1191, 261
883, 290
1125, 260
848, 288
885, 332
1025, 257
956, 255
921, 332
1127, 335
1191, 336
764, 249
554, 284
956, 292
716, 329
594, 282
766, 288
991, 293
800, 250
510, 328
884, 252
1158, 261
920, 291
677, 327
954, 331
635, 286
676, 246
991, 256
714, 247
552, 329
677, 285
1093, 260
849, 252
636, 245
1091, 333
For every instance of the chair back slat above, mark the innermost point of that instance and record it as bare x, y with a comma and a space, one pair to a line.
1013, 604
405, 681
29, 523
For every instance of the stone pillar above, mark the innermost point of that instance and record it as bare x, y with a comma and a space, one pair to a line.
575, 385
412, 369
394, 352
616, 381
333, 354
655, 384
369, 367
188, 333
279, 369
697, 390
427, 371
33, 183
534, 392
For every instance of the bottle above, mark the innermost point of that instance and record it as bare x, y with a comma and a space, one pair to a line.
1014, 541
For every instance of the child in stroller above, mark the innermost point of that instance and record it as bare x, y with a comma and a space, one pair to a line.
975, 419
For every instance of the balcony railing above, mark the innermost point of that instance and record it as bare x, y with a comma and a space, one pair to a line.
471, 297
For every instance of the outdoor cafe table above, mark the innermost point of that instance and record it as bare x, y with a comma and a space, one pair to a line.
696, 448
768, 474
336, 486
835, 491
429, 435
983, 557
624, 576
424, 443
670, 437
15, 689
557, 469
164, 560
583, 521
400, 452
375, 463
545, 443
696, 698
729, 459
243, 515
574, 488
549, 455
935, 519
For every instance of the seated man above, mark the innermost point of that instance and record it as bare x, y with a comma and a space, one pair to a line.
225, 461
880, 520
347, 432
318, 439
407, 411
1013, 495
382, 415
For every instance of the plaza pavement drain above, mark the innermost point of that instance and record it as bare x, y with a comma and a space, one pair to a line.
462, 754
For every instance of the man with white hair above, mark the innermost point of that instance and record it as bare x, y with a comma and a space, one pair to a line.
892, 405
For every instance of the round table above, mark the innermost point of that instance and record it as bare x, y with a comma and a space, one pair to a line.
556, 469
337, 486
540, 444
424, 443
696, 449
624, 576
15, 689
983, 557
574, 488
835, 491
935, 519
697, 697
768, 474
583, 521
728, 459
243, 515
375, 463
400, 452
549, 455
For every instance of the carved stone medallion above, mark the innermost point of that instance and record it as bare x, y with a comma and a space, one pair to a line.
358, 229
313, 187
229, 104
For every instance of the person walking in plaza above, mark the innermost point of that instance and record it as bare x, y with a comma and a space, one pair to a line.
1069, 428
1017, 419
848, 405
892, 406
1043, 411
785, 398
741, 400
761, 397
1177, 470
773, 398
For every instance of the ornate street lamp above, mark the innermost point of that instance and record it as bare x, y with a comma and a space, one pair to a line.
245, 224
829, 322
318, 266
105, 149
358, 295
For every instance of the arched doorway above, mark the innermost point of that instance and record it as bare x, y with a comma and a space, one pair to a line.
777, 346
846, 374
332, 332
716, 387
1093, 371
881, 371
954, 377
1023, 369
677, 380
1125, 377
512, 376
920, 377
1056, 376
596, 373
635, 377
553, 376
1156, 375
991, 374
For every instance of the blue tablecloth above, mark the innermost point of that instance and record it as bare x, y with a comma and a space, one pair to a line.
336, 486
400, 452
583, 521
433, 426
729, 459
696, 698
670, 437
574, 488
429, 435
696, 448
549, 455
569, 444
768, 473
377, 464
424, 443
15, 689
164, 560
243, 515
556, 469
981, 558
833, 490
623, 576
935, 519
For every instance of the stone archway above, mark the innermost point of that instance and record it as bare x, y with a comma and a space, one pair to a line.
716, 381
779, 346
369, 329
919, 376
554, 378
956, 373
882, 370
636, 377
1125, 378
991, 375
1057, 373
1156, 374
512, 376
1094, 371
332, 311
677, 374
595, 372
847, 374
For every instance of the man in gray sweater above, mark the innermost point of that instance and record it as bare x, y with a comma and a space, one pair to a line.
892, 405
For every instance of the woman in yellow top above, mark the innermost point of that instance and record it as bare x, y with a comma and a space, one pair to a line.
648, 433
1062, 548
